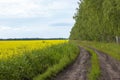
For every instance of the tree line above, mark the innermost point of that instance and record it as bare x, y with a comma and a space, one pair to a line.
97, 20
33, 39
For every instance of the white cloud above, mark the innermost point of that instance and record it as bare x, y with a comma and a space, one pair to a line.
12, 29
10, 1
32, 8
21, 8
47, 12
21, 32
2, 28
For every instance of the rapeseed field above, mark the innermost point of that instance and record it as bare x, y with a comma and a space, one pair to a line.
37, 59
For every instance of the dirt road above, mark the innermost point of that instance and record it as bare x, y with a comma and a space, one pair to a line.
110, 68
78, 70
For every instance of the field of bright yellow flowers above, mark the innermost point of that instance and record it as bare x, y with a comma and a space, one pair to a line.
32, 59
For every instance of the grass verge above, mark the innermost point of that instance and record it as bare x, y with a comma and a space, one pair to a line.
94, 72
72, 51
111, 49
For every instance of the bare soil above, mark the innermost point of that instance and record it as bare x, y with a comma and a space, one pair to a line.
78, 70
110, 68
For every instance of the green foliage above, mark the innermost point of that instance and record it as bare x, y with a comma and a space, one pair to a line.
69, 54
97, 20
94, 72
48, 61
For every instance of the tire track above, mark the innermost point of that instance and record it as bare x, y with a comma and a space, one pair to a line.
110, 68
78, 70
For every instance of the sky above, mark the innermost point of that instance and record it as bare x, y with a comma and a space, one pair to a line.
36, 18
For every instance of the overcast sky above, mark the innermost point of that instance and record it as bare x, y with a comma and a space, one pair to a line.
36, 18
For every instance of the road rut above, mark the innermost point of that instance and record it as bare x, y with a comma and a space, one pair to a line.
110, 68
78, 70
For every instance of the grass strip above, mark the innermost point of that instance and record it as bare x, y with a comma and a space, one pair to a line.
52, 71
94, 72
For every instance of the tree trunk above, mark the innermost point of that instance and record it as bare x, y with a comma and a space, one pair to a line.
117, 40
